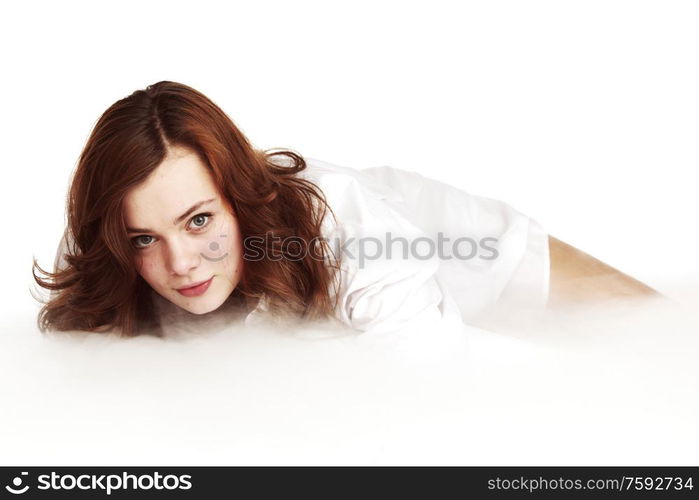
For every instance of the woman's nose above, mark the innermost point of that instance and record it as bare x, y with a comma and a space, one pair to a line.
183, 257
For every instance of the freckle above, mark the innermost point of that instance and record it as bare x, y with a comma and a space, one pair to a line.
213, 246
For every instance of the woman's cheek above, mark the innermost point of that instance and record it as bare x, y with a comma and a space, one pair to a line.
226, 237
231, 249
145, 266
138, 264
235, 246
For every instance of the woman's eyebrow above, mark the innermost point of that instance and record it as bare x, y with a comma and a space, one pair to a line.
177, 220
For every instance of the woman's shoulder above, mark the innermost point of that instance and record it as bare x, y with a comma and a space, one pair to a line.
341, 180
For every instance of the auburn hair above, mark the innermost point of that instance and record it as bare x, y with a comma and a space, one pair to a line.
100, 286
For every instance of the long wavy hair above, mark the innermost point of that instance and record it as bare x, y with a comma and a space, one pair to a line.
100, 286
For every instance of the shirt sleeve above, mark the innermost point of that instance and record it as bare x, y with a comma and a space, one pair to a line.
388, 295
386, 284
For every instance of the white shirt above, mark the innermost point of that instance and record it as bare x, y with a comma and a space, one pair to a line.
390, 293
502, 254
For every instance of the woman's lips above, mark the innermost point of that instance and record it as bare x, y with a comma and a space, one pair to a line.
194, 291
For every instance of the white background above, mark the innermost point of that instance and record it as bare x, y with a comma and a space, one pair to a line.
581, 114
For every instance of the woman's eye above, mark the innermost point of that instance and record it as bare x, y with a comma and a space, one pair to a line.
139, 239
201, 220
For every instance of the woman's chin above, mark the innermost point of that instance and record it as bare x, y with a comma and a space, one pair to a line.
202, 305
199, 305
211, 299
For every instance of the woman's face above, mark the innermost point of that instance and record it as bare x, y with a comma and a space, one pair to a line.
185, 233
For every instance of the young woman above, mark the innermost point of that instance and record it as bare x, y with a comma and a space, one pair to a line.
172, 209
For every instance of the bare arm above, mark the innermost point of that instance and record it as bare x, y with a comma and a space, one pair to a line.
578, 277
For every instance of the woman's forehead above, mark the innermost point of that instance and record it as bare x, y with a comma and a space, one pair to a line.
176, 185
179, 172
164, 219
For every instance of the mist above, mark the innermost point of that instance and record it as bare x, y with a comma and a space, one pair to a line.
610, 384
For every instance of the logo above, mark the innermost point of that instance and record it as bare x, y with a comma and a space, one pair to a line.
17, 482
214, 247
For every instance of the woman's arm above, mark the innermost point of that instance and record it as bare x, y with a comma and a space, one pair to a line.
578, 277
